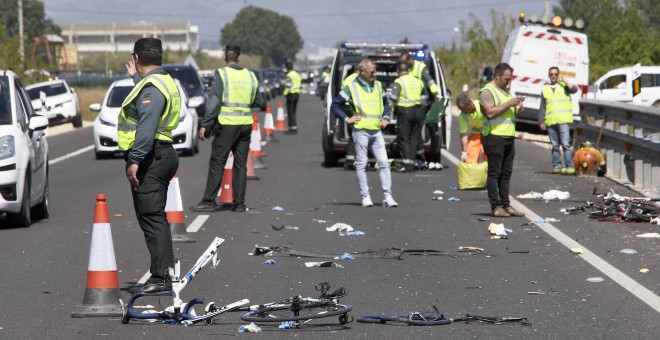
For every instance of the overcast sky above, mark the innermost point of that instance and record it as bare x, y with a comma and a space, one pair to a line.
320, 22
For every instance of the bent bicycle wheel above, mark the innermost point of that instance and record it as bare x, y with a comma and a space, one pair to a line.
381, 319
302, 311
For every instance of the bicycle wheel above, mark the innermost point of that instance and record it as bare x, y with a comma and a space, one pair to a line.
381, 319
296, 311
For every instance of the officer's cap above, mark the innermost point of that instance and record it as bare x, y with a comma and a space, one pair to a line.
148, 45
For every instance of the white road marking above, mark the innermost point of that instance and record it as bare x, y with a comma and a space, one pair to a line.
625, 281
70, 155
144, 277
197, 223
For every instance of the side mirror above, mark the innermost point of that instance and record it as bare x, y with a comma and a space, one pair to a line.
73, 90
38, 122
96, 107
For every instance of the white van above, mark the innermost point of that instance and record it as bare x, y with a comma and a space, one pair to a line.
617, 85
531, 50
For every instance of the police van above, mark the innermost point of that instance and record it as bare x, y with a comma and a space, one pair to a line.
532, 49
618, 85
435, 135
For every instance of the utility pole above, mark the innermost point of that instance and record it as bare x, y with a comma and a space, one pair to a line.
546, 14
20, 30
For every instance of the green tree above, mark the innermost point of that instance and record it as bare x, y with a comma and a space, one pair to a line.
263, 32
9, 57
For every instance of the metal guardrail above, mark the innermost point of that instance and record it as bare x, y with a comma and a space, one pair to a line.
627, 135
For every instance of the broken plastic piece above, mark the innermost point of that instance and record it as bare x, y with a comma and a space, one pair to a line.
453, 199
453, 187
347, 256
497, 229
438, 198
577, 250
655, 220
353, 233
341, 227
532, 194
323, 264
438, 192
628, 251
644, 270
536, 293
270, 261
287, 325
556, 194
596, 279
283, 226
649, 235
251, 328
278, 208
470, 248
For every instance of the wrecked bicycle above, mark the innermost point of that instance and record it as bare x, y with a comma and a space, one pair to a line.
436, 319
183, 313
300, 310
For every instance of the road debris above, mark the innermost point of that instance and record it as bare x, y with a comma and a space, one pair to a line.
577, 251
470, 248
251, 328
649, 235
323, 264
283, 226
628, 251
531, 195
644, 270
497, 231
556, 195
596, 279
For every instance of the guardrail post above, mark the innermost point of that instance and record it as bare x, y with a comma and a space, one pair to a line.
648, 173
655, 181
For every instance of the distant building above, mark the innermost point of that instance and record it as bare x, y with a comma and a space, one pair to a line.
120, 37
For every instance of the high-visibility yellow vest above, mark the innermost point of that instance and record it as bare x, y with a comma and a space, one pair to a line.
349, 79
504, 124
474, 120
411, 91
296, 83
239, 90
558, 105
169, 119
418, 68
368, 105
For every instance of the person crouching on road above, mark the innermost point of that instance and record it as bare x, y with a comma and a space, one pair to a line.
500, 109
148, 116
470, 123
292, 89
556, 116
234, 91
408, 97
372, 113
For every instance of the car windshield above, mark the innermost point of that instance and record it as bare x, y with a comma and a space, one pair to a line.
188, 79
49, 90
117, 95
5, 105
385, 70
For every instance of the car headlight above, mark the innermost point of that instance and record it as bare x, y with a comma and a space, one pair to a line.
105, 122
182, 116
7, 147
196, 101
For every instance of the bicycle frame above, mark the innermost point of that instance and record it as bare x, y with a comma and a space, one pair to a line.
178, 284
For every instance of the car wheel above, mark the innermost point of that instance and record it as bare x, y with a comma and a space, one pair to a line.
22, 219
42, 210
100, 155
77, 121
330, 158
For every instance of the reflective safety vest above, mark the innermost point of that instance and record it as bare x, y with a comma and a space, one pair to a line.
474, 120
411, 91
238, 93
349, 79
293, 83
418, 68
504, 124
169, 119
369, 105
558, 105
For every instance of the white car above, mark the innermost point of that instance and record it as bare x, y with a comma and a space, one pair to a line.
105, 124
57, 100
23, 155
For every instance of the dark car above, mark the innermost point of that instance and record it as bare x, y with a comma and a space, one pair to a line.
335, 133
263, 90
193, 85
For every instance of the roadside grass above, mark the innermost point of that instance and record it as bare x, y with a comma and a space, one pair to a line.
89, 95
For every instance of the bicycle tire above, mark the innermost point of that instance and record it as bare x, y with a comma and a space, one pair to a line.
381, 319
307, 310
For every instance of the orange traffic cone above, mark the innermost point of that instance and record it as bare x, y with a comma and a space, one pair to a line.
226, 193
279, 124
174, 212
269, 125
255, 145
102, 289
251, 174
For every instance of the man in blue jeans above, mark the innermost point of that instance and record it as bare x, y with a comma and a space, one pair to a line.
556, 116
372, 113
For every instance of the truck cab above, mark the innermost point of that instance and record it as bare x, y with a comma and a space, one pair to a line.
435, 135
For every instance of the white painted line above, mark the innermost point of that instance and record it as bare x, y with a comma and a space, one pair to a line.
197, 223
625, 281
144, 277
73, 154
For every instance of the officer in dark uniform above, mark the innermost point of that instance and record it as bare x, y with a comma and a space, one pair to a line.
149, 114
235, 90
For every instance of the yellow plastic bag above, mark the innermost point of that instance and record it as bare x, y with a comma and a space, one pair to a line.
472, 176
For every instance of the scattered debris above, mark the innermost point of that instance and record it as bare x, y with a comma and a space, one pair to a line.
453, 199
596, 279
287, 325
278, 208
270, 261
577, 251
655, 220
473, 287
556, 194
438, 192
323, 264
470, 248
628, 251
518, 251
283, 226
353, 233
453, 187
387, 253
644, 270
341, 227
347, 256
439, 198
649, 235
531, 195
483, 219
545, 220
251, 328
536, 293
118, 215
497, 231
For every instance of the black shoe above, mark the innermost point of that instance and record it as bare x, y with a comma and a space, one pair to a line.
205, 207
239, 207
291, 132
153, 285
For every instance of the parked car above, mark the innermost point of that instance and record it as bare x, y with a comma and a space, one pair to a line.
23, 155
192, 84
105, 124
57, 100
385, 56
273, 77
264, 91
617, 85
207, 77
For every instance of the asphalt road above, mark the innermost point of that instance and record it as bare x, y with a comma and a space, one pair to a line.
531, 274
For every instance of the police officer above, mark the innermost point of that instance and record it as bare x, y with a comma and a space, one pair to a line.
234, 91
148, 116
292, 89
372, 113
500, 109
556, 116
408, 96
